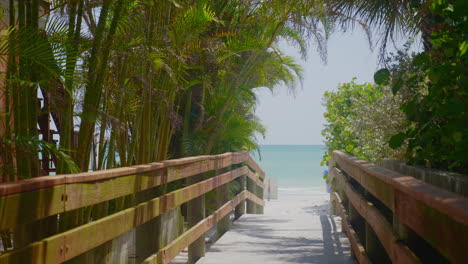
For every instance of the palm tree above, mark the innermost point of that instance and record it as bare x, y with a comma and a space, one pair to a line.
390, 19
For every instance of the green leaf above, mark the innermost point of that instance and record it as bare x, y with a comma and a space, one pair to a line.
448, 52
421, 59
396, 85
397, 140
382, 76
463, 47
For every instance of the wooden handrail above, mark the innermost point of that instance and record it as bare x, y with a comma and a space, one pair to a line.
33, 184
398, 252
65, 193
106, 185
421, 207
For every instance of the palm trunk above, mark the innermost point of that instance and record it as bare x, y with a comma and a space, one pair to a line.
66, 122
101, 48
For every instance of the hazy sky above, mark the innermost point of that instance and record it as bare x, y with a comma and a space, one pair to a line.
300, 120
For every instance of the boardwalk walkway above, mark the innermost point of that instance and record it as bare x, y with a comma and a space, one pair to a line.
297, 228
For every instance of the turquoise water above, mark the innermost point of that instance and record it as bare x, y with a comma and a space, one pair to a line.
295, 166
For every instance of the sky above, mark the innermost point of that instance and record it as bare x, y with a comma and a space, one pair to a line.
298, 120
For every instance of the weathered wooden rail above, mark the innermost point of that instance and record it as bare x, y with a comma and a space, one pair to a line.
45, 215
393, 218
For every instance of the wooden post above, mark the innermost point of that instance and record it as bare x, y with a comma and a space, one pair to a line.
196, 213
251, 208
403, 233
345, 202
400, 230
240, 209
333, 205
332, 181
38, 230
374, 248
147, 235
222, 196
355, 220
259, 193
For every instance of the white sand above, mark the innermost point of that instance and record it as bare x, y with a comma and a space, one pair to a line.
296, 228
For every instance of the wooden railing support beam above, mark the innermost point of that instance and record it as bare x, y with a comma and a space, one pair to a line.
222, 196
240, 209
259, 193
251, 206
195, 214
374, 248
147, 235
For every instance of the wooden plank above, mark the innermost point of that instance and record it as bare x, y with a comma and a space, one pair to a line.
22, 208
398, 252
441, 231
252, 197
9, 188
113, 173
37, 183
251, 162
49, 250
239, 157
356, 246
376, 186
85, 194
438, 216
177, 172
89, 193
196, 212
255, 179
168, 253
444, 201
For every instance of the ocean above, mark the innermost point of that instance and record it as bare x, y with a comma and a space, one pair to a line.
295, 166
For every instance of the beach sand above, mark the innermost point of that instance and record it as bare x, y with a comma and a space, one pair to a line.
296, 228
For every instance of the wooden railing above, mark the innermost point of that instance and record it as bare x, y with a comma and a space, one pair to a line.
54, 219
393, 218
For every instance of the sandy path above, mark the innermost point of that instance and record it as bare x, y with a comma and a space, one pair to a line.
297, 228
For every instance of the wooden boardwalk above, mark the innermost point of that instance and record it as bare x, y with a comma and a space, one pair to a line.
297, 228
386, 216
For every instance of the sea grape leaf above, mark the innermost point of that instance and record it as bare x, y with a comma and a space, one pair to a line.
382, 76
397, 140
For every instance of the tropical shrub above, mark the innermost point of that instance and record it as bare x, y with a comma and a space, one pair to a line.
363, 118
438, 135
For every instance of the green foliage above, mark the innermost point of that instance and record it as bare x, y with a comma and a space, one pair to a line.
438, 137
382, 76
361, 118
397, 140
130, 82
